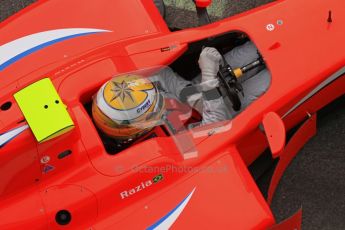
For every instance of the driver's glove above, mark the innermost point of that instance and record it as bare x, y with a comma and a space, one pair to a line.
209, 61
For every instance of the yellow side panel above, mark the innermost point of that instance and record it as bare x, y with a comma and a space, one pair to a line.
43, 109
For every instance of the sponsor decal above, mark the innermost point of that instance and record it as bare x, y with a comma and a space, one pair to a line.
165, 49
280, 22
47, 168
147, 104
157, 178
270, 27
168, 48
143, 185
69, 67
45, 159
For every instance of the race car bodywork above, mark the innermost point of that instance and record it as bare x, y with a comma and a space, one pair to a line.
71, 181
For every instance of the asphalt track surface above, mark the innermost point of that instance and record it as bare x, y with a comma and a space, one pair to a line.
315, 180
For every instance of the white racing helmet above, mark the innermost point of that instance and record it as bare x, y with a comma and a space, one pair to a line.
127, 107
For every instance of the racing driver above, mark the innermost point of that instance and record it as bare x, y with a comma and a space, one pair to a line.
128, 107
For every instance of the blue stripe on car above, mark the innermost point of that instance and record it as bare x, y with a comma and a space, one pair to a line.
39, 47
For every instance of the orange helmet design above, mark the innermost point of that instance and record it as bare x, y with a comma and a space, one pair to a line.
127, 107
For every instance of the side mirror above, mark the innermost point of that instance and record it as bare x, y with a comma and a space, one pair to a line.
275, 133
202, 3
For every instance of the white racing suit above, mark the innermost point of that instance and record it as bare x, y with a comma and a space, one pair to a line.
254, 83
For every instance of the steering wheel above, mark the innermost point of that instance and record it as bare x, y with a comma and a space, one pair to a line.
228, 81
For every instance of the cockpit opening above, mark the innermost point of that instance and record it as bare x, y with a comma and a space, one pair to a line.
211, 83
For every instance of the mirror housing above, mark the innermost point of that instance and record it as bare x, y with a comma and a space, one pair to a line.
202, 3
275, 133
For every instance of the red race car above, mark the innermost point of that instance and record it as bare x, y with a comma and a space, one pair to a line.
59, 170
